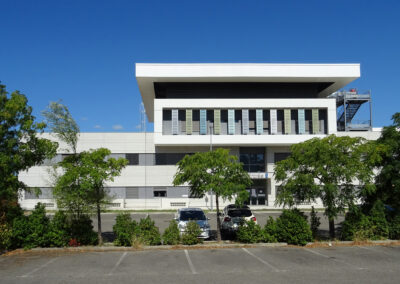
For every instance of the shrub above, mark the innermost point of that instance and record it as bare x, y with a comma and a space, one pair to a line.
190, 236
124, 229
394, 228
315, 222
59, 231
171, 234
5, 234
31, 231
82, 230
270, 231
358, 226
292, 227
147, 232
250, 232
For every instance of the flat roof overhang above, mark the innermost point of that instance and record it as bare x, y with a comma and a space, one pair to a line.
148, 73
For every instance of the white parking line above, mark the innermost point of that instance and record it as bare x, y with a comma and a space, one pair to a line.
118, 263
190, 262
334, 259
40, 267
263, 261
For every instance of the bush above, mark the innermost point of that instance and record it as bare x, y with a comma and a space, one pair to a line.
270, 231
82, 231
315, 222
59, 231
148, 233
250, 232
124, 229
292, 227
394, 228
171, 234
190, 236
31, 231
358, 226
5, 234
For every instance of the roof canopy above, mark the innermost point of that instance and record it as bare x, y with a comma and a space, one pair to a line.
148, 73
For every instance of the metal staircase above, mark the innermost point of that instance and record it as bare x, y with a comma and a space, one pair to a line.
348, 103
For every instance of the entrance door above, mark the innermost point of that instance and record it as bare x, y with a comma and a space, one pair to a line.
257, 194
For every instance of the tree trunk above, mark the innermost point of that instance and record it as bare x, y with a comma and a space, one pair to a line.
218, 220
331, 228
99, 224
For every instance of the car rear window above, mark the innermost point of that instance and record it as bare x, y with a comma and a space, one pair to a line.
239, 213
192, 215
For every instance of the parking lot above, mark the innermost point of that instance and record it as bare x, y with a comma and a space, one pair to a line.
366, 264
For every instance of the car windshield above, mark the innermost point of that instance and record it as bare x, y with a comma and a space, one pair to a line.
239, 213
192, 215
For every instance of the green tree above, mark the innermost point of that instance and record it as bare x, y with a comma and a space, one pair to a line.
81, 186
388, 179
326, 169
20, 146
215, 171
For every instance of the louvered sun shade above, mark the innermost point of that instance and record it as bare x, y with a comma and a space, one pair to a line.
259, 121
302, 121
217, 121
174, 117
231, 121
245, 121
288, 121
274, 121
315, 121
189, 120
203, 122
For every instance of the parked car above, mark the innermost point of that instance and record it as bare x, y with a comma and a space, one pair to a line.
185, 215
231, 218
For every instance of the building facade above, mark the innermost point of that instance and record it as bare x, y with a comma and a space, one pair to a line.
255, 110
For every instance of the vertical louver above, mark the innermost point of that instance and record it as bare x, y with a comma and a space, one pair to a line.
203, 122
245, 121
274, 121
259, 121
174, 117
231, 121
288, 121
302, 121
315, 121
189, 120
217, 121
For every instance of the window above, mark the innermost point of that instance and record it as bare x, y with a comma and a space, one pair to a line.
253, 159
281, 156
133, 159
160, 193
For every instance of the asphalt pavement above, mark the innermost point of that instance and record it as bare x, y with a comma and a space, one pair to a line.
357, 264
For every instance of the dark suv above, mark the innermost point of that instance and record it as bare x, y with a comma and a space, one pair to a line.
232, 217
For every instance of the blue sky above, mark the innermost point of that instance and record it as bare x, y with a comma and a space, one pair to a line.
83, 52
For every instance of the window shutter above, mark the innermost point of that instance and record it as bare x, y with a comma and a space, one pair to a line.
315, 121
274, 121
302, 121
231, 121
245, 121
189, 120
174, 117
217, 121
203, 122
288, 122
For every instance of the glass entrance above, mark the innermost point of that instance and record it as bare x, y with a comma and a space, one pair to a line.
257, 193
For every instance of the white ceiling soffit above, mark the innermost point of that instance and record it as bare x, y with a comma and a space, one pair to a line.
148, 73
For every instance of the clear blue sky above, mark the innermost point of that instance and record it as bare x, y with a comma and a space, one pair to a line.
83, 52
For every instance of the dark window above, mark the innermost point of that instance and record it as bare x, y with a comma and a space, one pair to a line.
160, 193
253, 159
133, 159
192, 215
239, 213
169, 158
280, 156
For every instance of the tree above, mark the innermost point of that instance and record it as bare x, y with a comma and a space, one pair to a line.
327, 169
214, 171
61, 122
81, 187
20, 146
388, 179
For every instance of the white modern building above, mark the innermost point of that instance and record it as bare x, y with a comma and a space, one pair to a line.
255, 110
